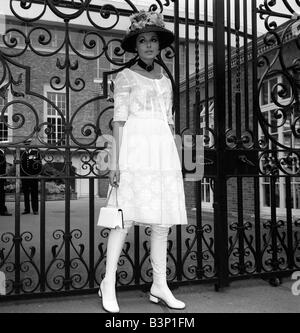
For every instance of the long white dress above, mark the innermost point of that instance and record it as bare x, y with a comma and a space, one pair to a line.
151, 186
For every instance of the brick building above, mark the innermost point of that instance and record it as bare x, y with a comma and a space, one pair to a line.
40, 76
276, 81
38, 71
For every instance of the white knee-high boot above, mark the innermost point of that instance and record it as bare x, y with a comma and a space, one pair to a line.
158, 255
107, 288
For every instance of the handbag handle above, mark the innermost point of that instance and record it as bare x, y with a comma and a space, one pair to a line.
117, 204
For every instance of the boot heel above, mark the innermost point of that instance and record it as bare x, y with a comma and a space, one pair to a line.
153, 299
108, 305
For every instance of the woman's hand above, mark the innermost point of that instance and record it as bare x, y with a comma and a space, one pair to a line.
114, 178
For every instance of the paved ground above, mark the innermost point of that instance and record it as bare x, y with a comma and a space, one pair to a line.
255, 296
248, 296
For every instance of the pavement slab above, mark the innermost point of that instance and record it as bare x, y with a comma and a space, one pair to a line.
247, 296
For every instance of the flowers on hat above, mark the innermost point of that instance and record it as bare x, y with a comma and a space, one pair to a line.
142, 19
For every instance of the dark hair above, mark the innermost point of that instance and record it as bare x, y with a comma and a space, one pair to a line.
165, 37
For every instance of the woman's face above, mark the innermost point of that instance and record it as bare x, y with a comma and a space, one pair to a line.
147, 45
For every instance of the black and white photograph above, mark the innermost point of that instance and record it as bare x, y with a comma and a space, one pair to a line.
150, 160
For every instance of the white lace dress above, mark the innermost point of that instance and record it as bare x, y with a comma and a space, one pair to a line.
151, 186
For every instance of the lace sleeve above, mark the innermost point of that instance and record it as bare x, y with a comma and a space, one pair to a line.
121, 98
170, 106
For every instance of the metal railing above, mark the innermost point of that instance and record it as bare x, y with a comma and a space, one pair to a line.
60, 250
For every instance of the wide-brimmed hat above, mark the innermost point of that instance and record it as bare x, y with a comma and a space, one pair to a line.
143, 22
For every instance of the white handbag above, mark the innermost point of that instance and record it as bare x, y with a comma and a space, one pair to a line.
111, 216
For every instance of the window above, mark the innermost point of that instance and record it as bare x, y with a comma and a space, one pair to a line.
5, 132
295, 184
57, 37
206, 189
78, 37
13, 37
55, 127
206, 192
209, 142
3, 127
280, 130
104, 65
274, 85
266, 191
116, 58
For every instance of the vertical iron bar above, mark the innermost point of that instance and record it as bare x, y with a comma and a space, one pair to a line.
255, 93
246, 76
255, 106
255, 97
67, 237
17, 236
42, 235
258, 254
289, 221
137, 266
240, 229
177, 124
229, 66
91, 231
197, 132
238, 119
206, 77
237, 15
220, 192
187, 64
273, 225
206, 131
176, 98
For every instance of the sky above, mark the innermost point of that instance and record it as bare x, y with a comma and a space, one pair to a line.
280, 7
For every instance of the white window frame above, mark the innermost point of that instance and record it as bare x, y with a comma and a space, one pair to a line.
54, 41
207, 205
8, 113
48, 89
281, 210
99, 82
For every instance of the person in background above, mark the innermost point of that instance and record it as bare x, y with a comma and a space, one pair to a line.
3, 208
31, 165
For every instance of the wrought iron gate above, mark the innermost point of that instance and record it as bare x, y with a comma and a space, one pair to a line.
57, 88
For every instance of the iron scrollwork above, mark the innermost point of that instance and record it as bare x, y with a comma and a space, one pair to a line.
284, 94
64, 56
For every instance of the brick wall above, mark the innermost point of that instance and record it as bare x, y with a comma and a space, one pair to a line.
289, 53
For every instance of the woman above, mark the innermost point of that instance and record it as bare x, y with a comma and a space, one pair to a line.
146, 170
